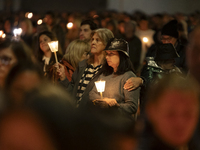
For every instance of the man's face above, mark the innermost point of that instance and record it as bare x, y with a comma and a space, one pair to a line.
48, 20
174, 117
165, 39
85, 32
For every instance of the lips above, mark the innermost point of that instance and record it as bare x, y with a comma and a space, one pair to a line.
82, 37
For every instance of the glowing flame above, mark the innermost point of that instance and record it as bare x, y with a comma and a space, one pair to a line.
69, 25
30, 15
1, 33
100, 85
17, 32
39, 22
53, 46
4, 36
145, 39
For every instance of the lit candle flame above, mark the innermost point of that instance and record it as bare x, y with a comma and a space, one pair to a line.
17, 32
69, 25
1, 33
53, 46
4, 36
100, 85
29, 15
145, 39
39, 22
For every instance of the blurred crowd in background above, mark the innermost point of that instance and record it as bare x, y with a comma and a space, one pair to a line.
48, 100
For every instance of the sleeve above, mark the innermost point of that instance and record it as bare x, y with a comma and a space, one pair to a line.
131, 98
67, 85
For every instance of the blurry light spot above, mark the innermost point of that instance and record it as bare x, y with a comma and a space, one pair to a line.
30, 15
17, 31
69, 25
145, 39
39, 22
1, 33
4, 35
95, 16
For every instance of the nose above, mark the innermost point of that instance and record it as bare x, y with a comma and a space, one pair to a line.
93, 42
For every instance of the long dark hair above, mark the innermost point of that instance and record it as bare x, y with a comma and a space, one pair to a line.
40, 53
125, 65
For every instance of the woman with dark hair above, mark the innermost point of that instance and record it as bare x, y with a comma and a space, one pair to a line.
116, 71
44, 55
11, 53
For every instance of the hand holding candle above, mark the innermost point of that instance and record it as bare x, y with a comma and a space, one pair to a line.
54, 48
100, 85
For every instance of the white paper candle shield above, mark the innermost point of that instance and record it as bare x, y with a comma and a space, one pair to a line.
100, 85
53, 46
17, 32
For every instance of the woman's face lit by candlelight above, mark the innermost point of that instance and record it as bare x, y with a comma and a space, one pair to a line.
44, 40
113, 59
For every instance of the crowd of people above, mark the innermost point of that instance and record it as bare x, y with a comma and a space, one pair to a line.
148, 67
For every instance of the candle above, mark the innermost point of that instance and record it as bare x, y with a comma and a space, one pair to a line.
39, 22
70, 25
1, 33
54, 48
145, 39
29, 15
17, 33
100, 85
4, 36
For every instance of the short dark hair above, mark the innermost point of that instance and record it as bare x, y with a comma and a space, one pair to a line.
50, 13
125, 65
93, 26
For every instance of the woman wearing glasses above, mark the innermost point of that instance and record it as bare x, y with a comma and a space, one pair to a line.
116, 71
11, 53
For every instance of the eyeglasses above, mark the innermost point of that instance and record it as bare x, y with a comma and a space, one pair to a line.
166, 39
110, 54
5, 60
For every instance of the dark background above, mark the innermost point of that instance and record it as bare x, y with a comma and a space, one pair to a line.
62, 5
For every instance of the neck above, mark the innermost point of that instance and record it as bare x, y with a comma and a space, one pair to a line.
115, 70
98, 59
47, 54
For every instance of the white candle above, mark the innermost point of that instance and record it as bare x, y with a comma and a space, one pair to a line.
39, 22
100, 85
145, 39
70, 25
54, 48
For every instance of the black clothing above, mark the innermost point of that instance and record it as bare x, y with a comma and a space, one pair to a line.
135, 47
180, 62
